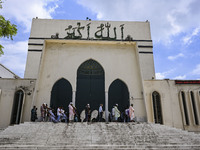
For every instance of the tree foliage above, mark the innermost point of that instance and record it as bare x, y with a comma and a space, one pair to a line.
7, 29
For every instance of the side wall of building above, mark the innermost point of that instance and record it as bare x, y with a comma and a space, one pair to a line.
172, 103
8, 88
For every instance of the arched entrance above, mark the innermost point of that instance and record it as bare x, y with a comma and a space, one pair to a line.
17, 107
118, 94
157, 109
90, 85
61, 94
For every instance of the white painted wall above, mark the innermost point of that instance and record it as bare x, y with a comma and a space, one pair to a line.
171, 102
61, 59
32, 64
43, 29
8, 87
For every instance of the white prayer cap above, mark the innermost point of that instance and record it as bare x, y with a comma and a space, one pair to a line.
116, 104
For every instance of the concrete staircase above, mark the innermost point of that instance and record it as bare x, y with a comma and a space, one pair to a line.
98, 136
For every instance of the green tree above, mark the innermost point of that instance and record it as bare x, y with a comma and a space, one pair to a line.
6, 29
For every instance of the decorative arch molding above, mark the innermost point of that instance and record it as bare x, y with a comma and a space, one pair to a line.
61, 94
194, 107
90, 67
199, 93
117, 78
121, 81
184, 107
118, 93
198, 97
18, 105
60, 79
157, 107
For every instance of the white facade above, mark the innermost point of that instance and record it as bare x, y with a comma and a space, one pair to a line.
123, 49
43, 29
58, 48
124, 66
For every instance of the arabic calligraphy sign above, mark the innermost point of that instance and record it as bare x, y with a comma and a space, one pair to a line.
103, 31
75, 32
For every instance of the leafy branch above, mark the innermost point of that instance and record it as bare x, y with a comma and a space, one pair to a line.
7, 29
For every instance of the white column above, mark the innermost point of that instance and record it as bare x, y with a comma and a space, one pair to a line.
74, 97
106, 105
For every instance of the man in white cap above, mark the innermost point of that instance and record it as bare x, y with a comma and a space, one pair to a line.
117, 112
71, 112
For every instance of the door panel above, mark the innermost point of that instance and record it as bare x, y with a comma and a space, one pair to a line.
118, 94
61, 94
90, 85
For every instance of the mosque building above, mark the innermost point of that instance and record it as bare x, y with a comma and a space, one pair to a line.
97, 62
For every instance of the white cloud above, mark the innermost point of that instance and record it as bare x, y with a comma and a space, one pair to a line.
14, 57
196, 71
188, 39
176, 56
180, 77
163, 75
160, 75
24, 10
167, 17
21, 12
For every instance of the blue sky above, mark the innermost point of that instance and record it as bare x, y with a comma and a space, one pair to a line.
175, 29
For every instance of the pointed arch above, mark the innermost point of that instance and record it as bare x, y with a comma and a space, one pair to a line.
90, 67
157, 108
194, 108
118, 93
17, 107
90, 87
61, 94
184, 108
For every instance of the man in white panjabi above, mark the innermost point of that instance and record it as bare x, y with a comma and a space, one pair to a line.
117, 112
58, 114
131, 113
71, 112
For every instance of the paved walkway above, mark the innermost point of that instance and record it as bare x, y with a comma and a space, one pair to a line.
84, 136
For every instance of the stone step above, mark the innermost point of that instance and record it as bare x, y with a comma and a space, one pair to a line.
99, 147
43, 135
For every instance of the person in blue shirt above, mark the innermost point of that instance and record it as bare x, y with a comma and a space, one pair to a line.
100, 112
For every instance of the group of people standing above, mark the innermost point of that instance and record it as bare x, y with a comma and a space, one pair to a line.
88, 113
49, 114
126, 116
